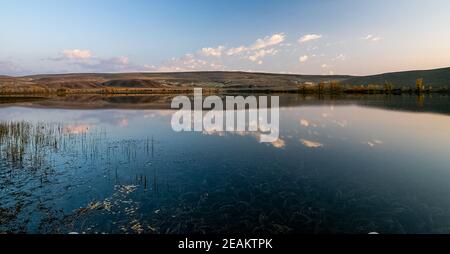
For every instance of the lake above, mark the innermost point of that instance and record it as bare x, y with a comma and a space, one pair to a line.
353, 164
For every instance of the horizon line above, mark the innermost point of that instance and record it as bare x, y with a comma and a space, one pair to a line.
223, 71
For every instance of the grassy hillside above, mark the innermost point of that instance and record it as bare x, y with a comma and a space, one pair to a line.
179, 79
215, 80
438, 78
243, 81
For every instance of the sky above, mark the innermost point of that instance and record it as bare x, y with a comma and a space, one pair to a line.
355, 37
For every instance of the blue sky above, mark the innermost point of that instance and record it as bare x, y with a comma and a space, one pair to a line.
284, 36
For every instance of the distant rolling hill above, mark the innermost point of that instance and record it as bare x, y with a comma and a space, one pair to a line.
166, 80
438, 78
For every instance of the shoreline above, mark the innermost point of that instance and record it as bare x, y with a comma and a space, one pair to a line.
436, 103
244, 91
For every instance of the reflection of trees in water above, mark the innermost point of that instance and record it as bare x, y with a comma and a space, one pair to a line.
420, 100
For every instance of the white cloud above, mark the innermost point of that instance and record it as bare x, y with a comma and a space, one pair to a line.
262, 53
303, 59
285, 45
340, 57
188, 62
214, 52
205, 59
199, 61
372, 38
309, 37
259, 44
73, 54
236, 51
77, 54
114, 64
312, 48
374, 142
84, 61
268, 41
327, 69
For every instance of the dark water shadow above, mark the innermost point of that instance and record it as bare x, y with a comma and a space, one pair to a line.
436, 103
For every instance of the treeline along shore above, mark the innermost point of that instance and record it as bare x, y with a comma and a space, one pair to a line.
429, 81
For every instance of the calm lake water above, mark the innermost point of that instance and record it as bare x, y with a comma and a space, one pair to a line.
340, 166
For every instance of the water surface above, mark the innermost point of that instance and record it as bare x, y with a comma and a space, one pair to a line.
341, 165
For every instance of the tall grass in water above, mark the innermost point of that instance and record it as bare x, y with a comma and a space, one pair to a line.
14, 138
53, 158
29, 145
22, 142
